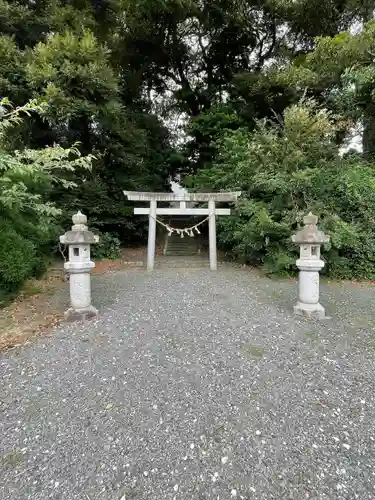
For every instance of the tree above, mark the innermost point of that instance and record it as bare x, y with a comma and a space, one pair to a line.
209, 59
27, 217
67, 54
75, 76
340, 72
284, 170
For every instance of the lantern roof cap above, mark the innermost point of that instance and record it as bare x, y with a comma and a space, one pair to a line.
310, 233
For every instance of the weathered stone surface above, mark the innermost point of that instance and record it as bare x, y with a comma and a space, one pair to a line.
79, 267
310, 239
81, 315
315, 310
73, 237
173, 197
310, 232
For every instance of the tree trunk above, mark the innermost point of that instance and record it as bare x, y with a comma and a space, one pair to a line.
367, 10
368, 137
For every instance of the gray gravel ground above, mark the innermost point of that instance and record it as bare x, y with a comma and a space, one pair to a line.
194, 385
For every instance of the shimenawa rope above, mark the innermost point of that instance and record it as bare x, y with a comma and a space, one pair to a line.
181, 231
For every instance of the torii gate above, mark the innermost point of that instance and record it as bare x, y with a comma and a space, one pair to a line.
153, 211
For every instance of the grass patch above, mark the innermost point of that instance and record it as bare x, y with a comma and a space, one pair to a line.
253, 351
254, 395
31, 289
173, 341
11, 460
309, 335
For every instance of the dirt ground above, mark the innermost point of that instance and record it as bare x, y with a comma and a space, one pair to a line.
42, 303
32, 313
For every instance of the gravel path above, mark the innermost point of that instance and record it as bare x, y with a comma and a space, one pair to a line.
194, 385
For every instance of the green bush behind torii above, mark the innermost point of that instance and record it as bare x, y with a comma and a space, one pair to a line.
284, 170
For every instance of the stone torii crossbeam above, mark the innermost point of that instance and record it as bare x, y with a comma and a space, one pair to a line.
153, 211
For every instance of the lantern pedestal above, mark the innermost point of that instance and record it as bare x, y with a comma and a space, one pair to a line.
308, 284
79, 267
309, 264
71, 314
80, 291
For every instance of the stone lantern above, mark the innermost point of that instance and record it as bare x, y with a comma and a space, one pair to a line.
310, 240
79, 267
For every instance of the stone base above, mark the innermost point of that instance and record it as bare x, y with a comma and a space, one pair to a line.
310, 310
80, 314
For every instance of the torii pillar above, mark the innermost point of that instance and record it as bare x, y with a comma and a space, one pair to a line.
153, 211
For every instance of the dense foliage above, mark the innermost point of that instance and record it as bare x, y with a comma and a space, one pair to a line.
203, 88
285, 170
27, 217
68, 55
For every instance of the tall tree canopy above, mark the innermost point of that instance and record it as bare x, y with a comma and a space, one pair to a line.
65, 54
208, 59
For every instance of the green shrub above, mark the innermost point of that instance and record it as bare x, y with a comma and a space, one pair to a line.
107, 248
27, 217
17, 260
283, 172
